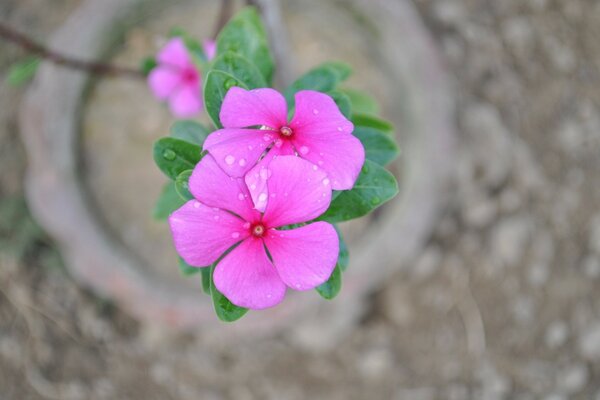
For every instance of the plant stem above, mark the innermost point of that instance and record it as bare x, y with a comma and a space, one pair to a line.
97, 68
224, 16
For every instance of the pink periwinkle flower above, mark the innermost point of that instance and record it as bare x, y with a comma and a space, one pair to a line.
255, 122
177, 80
224, 215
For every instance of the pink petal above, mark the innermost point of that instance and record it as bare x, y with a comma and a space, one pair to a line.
211, 185
256, 178
304, 257
210, 48
298, 191
237, 150
243, 108
162, 81
202, 234
323, 136
174, 53
247, 278
186, 102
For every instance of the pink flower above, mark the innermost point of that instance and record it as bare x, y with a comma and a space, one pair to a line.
318, 132
177, 80
223, 215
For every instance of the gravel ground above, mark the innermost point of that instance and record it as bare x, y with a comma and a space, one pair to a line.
500, 304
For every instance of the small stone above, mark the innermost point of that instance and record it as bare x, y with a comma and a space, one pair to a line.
573, 379
556, 334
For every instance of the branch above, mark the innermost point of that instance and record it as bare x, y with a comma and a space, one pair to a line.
97, 68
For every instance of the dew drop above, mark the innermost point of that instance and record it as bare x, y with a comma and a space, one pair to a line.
216, 217
250, 147
241, 196
315, 111
197, 204
269, 296
325, 181
242, 162
340, 128
278, 143
252, 187
298, 285
267, 137
262, 197
264, 174
315, 167
303, 150
229, 83
229, 160
320, 162
246, 225
235, 235
169, 155
375, 200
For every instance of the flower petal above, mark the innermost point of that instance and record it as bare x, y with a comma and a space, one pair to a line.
298, 191
237, 150
304, 257
213, 187
247, 278
243, 108
174, 53
323, 136
210, 48
163, 81
202, 234
256, 178
186, 102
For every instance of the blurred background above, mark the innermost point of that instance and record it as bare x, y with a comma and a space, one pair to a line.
499, 299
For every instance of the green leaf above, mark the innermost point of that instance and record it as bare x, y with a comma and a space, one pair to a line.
190, 131
187, 270
331, 288
362, 103
321, 78
173, 156
344, 255
379, 146
168, 201
342, 101
226, 310
342, 70
371, 121
216, 85
181, 185
205, 280
147, 65
374, 186
245, 35
23, 71
191, 44
240, 68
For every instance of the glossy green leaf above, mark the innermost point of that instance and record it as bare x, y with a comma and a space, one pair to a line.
342, 101
379, 146
342, 70
23, 71
205, 279
147, 65
173, 156
168, 201
331, 288
322, 78
371, 121
190, 131
245, 35
181, 185
344, 255
216, 85
362, 103
374, 186
226, 310
187, 270
240, 68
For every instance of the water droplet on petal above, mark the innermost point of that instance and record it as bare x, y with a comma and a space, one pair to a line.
196, 204
252, 187
229, 159
169, 155
241, 196
315, 111
246, 225
267, 137
265, 173
242, 162
325, 181
269, 296
320, 162
315, 167
216, 217
235, 235
298, 285
340, 128
278, 143
262, 197
250, 147
303, 150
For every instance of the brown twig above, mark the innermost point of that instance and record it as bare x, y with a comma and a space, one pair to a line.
224, 16
97, 68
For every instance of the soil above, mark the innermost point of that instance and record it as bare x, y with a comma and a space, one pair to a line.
499, 305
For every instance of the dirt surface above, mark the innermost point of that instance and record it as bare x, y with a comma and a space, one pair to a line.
500, 305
